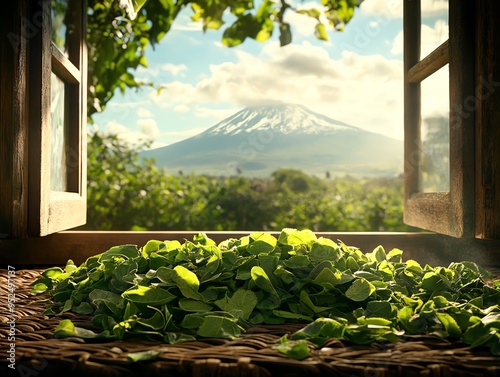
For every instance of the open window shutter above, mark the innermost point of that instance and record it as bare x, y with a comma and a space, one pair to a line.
57, 118
450, 212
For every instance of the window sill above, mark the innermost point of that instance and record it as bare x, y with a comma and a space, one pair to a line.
426, 248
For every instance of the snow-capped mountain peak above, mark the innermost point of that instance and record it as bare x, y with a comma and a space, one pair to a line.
283, 118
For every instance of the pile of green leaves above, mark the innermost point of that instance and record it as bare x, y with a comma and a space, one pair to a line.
174, 292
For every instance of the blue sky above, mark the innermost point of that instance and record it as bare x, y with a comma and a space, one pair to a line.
355, 77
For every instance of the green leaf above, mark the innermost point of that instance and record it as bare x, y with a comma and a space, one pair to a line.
297, 261
66, 328
286, 276
261, 243
242, 299
360, 290
320, 32
328, 277
312, 12
128, 251
148, 295
433, 281
297, 350
382, 309
177, 337
285, 34
156, 322
304, 297
377, 321
324, 249
293, 237
290, 315
152, 246
262, 281
111, 300
450, 325
395, 255
188, 282
146, 355
378, 254
219, 327
38, 288
321, 330
53, 273
189, 305
83, 308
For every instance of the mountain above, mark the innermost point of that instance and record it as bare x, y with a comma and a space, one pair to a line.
259, 140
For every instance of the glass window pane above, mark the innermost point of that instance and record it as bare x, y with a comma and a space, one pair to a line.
435, 132
59, 136
59, 26
434, 28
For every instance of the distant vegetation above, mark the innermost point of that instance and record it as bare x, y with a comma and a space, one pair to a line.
127, 192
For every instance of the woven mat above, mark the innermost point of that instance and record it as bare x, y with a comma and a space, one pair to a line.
38, 353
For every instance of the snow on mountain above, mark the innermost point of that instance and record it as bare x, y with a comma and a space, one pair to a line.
285, 118
257, 141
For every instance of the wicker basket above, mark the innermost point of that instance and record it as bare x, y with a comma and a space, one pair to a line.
38, 353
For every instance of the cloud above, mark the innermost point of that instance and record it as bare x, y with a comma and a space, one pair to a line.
174, 69
182, 108
302, 24
435, 95
144, 113
134, 138
394, 8
124, 133
172, 93
384, 8
434, 7
431, 38
171, 137
365, 91
215, 114
148, 127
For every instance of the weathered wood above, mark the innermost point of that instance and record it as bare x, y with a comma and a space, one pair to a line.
486, 104
450, 214
412, 143
461, 71
430, 210
50, 211
39, 118
430, 64
430, 248
13, 122
63, 67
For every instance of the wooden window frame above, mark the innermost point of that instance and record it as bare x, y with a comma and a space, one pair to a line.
59, 210
452, 212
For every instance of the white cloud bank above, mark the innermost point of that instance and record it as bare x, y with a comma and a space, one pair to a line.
365, 91
394, 8
431, 37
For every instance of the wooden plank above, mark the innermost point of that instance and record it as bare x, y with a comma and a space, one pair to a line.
63, 67
461, 71
65, 211
486, 104
430, 64
49, 211
13, 125
430, 248
39, 119
412, 105
428, 210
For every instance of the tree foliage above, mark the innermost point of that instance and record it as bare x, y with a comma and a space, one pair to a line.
128, 192
117, 43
